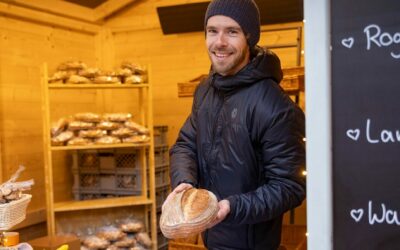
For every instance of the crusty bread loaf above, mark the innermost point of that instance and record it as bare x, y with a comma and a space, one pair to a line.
194, 203
188, 212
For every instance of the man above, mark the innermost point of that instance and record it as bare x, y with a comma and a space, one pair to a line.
243, 140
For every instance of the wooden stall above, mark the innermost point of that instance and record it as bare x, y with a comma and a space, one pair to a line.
34, 32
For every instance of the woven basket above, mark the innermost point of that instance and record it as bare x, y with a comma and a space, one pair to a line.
14, 212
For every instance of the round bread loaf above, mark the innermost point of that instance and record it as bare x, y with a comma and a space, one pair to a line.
189, 212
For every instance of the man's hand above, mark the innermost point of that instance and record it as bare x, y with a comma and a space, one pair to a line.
224, 209
180, 188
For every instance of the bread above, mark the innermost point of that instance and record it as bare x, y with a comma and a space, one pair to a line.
194, 202
87, 117
188, 212
117, 117
94, 242
136, 139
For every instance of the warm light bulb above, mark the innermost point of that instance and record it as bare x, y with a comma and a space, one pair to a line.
304, 172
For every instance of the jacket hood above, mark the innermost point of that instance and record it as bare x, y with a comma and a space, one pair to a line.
265, 64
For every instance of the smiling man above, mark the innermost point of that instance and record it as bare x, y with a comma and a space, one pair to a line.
243, 140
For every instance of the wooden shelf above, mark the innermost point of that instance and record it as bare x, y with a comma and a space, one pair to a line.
97, 86
120, 145
101, 203
57, 165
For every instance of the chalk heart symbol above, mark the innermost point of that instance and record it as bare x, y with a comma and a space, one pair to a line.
357, 214
348, 42
353, 134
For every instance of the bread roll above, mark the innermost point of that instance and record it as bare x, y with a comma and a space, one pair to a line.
188, 212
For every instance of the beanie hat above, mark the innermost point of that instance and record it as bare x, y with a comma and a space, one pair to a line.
244, 12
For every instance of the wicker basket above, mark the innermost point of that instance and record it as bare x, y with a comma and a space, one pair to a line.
14, 212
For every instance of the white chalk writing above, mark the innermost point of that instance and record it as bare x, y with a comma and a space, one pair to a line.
377, 215
376, 36
379, 136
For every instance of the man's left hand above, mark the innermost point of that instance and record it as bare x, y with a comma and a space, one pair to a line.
224, 209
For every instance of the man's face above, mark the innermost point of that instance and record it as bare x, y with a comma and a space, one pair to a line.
226, 44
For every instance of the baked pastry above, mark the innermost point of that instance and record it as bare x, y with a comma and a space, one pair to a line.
89, 72
78, 125
134, 79
131, 226
59, 126
60, 139
68, 65
137, 127
106, 79
58, 77
135, 68
123, 132
94, 242
110, 233
188, 212
108, 140
125, 242
107, 125
75, 79
143, 239
87, 117
92, 133
117, 117
136, 139
79, 141
123, 72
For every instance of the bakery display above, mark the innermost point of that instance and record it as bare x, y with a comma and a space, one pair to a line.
188, 212
131, 226
77, 72
11, 190
89, 128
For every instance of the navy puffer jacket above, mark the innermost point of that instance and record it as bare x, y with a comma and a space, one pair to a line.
243, 141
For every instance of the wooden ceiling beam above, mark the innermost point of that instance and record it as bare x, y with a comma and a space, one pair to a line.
50, 19
109, 7
58, 7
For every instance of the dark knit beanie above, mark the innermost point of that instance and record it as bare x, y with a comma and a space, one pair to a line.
244, 12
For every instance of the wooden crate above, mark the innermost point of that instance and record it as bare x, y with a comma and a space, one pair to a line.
186, 89
193, 242
292, 82
293, 236
184, 246
293, 71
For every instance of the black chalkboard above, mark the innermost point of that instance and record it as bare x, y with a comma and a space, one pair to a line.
365, 39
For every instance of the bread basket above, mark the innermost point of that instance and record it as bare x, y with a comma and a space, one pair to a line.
14, 212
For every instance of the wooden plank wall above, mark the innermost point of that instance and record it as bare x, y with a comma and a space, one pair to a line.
24, 47
175, 58
133, 34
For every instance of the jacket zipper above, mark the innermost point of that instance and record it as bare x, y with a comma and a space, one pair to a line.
214, 132
215, 125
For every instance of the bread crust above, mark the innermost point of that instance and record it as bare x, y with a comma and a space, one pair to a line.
189, 212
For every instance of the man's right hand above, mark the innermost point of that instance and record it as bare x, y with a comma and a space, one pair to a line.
180, 188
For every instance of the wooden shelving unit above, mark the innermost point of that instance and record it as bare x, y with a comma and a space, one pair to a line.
57, 201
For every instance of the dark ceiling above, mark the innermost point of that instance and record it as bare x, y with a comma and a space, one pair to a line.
90, 4
190, 17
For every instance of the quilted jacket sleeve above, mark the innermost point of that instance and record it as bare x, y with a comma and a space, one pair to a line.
280, 137
183, 154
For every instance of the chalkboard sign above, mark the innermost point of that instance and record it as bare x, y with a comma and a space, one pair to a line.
366, 123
